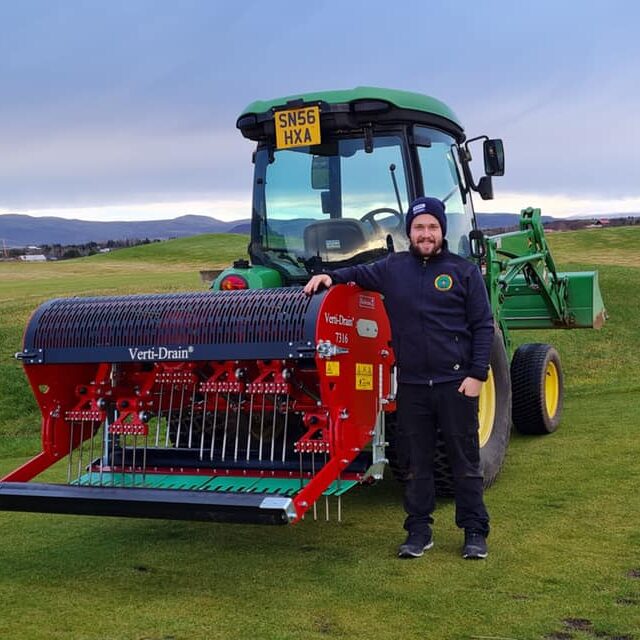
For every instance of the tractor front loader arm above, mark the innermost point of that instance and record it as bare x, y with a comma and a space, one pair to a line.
528, 292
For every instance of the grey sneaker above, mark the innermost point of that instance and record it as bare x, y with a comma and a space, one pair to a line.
475, 545
415, 545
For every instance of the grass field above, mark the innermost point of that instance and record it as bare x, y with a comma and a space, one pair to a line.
565, 547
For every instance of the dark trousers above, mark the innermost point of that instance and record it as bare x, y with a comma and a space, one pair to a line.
422, 411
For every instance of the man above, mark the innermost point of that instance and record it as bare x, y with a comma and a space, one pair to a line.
442, 330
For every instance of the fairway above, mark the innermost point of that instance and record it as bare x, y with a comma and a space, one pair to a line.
564, 550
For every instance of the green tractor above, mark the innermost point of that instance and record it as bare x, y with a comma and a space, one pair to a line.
334, 174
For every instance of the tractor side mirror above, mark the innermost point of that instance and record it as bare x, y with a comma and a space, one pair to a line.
485, 188
476, 243
325, 201
493, 157
320, 172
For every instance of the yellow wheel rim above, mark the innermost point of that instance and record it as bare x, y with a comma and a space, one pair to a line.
486, 409
551, 389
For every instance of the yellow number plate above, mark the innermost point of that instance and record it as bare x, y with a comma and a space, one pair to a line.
297, 127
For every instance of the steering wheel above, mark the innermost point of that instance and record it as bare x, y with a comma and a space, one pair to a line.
370, 217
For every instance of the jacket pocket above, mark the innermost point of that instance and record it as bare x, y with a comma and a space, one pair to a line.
446, 352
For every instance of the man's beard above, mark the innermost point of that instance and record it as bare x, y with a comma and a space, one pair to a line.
434, 250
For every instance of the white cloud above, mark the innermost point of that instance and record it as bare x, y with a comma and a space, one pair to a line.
229, 207
237, 205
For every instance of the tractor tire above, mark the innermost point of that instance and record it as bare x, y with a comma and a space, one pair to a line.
494, 427
494, 423
538, 389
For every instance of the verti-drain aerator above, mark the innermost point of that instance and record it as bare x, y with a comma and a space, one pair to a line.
238, 406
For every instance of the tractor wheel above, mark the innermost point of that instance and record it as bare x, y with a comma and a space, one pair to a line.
494, 423
494, 426
538, 389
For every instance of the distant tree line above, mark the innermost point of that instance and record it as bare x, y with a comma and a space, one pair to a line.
573, 225
69, 251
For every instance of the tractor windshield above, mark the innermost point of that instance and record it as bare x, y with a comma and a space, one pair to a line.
343, 202
328, 203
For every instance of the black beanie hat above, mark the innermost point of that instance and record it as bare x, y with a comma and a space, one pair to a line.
432, 206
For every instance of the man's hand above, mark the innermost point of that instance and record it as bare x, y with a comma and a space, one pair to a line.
320, 281
470, 387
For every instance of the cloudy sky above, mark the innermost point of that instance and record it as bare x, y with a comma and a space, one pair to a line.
126, 109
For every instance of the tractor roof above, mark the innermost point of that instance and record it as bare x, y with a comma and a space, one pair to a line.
404, 105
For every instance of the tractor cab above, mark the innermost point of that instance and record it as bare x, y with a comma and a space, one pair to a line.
336, 171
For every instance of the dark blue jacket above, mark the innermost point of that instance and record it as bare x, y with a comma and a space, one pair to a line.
441, 322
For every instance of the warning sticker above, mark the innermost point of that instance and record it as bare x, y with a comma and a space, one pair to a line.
332, 368
364, 377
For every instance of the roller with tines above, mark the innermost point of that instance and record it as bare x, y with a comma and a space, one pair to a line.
238, 406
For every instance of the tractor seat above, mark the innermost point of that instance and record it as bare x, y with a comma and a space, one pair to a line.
333, 236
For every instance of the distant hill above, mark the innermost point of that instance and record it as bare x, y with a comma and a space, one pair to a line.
21, 230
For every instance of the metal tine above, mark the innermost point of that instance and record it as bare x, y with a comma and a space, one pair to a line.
204, 417
166, 438
112, 464
193, 408
213, 428
144, 459
123, 449
235, 450
81, 449
326, 497
273, 426
180, 417
286, 424
338, 485
249, 429
301, 475
226, 426
102, 451
133, 461
159, 415
91, 444
313, 473
70, 463
264, 398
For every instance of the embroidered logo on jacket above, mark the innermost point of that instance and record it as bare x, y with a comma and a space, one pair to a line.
443, 282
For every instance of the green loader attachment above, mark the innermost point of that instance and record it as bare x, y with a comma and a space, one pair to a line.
526, 289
